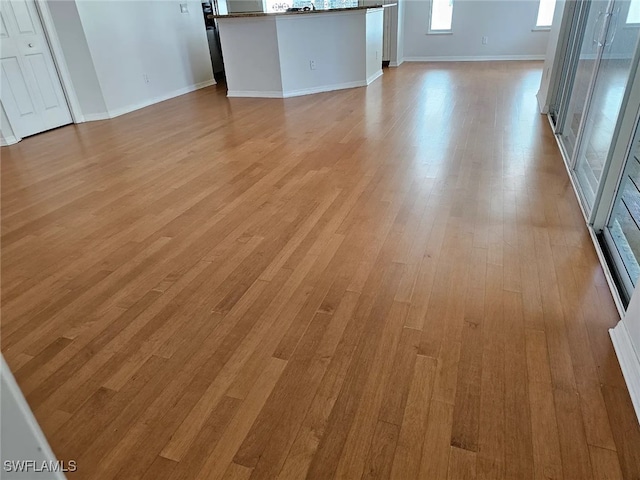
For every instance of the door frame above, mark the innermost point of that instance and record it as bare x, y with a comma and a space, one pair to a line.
53, 42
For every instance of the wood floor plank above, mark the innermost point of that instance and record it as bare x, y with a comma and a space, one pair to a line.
462, 464
605, 464
436, 448
406, 461
547, 459
519, 461
383, 446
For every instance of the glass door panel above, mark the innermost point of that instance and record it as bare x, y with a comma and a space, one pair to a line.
622, 233
558, 109
585, 68
618, 46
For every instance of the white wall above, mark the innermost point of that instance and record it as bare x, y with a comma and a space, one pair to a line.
374, 27
252, 38
336, 41
20, 435
632, 321
401, 27
130, 39
77, 57
552, 61
507, 23
626, 341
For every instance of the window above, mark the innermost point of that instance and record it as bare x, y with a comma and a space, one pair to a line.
545, 13
441, 15
273, 6
634, 12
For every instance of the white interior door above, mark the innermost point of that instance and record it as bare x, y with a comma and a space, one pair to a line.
30, 88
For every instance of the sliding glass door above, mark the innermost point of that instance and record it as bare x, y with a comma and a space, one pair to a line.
616, 45
622, 232
596, 117
596, 72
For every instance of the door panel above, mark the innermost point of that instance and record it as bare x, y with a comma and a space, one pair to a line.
586, 64
30, 91
15, 85
3, 28
22, 17
44, 82
622, 232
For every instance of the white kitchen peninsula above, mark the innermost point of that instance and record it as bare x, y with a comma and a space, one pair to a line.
281, 55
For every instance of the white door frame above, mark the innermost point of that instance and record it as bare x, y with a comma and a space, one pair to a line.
53, 42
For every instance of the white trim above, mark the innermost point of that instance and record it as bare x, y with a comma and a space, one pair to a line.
16, 400
478, 58
176, 93
629, 362
152, 101
10, 140
300, 92
324, 88
396, 64
254, 94
374, 77
58, 59
93, 117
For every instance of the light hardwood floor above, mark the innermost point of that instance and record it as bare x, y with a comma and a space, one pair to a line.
385, 282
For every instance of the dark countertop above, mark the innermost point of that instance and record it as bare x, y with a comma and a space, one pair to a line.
300, 12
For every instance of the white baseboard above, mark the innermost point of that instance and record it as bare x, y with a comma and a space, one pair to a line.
324, 88
300, 92
478, 58
396, 64
6, 141
176, 93
254, 94
374, 77
629, 362
92, 117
